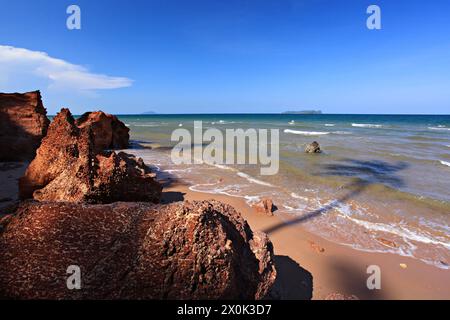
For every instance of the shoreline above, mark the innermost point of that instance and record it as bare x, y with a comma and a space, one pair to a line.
311, 266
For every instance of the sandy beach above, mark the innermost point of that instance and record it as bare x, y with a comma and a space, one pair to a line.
311, 267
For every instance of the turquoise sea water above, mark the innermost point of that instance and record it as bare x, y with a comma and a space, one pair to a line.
381, 177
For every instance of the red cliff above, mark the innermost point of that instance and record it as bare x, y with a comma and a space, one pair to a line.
23, 124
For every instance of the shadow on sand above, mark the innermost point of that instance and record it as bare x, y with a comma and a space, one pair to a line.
353, 281
292, 282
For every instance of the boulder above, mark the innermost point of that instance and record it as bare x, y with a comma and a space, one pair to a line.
313, 148
265, 206
23, 124
68, 167
190, 250
108, 131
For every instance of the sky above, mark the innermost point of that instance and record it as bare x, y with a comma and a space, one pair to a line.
229, 56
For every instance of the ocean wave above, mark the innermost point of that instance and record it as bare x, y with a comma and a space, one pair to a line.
445, 163
366, 125
146, 125
223, 122
329, 125
296, 196
306, 133
439, 128
253, 180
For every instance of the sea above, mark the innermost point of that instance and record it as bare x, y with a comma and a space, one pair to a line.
381, 184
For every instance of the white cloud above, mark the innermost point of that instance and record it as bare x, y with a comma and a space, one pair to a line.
58, 73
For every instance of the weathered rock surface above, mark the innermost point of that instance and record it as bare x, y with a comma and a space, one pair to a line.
68, 167
265, 206
197, 250
108, 131
313, 148
23, 123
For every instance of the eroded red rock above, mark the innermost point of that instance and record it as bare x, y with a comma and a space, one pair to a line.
108, 131
23, 123
68, 167
265, 206
191, 250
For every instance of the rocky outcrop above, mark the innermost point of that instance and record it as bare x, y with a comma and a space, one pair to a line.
23, 123
265, 206
313, 148
108, 131
68, 167
191, 250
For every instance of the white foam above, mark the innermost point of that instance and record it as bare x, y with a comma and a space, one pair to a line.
396, 229
252, 199
146, 125
306, 133
178, 170
292, 209
438, 128
445, 163
296, 196
366, 125
223, 167
329, 125
253, 180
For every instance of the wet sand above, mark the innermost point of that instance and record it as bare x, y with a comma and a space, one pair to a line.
312, 267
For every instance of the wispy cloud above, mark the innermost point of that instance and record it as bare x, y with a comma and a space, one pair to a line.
59, 73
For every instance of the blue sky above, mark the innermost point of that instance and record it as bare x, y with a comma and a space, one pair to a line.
221, 56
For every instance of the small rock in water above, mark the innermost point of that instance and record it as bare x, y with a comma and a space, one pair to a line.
403, 266
313, 148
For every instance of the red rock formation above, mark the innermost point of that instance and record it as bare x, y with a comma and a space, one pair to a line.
265, 206
109, 132
23, 123
198, 250
67, 167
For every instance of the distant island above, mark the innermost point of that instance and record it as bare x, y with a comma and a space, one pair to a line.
303, 112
